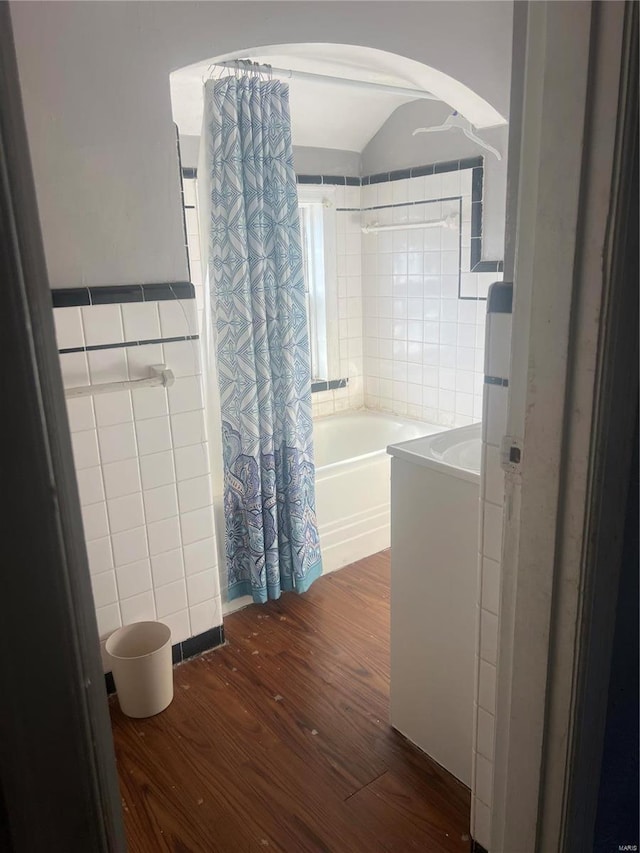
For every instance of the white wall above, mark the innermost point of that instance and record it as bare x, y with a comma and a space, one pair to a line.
394, 147
95, 88
325, 161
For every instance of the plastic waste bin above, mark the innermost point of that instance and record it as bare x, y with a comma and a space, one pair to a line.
141, 664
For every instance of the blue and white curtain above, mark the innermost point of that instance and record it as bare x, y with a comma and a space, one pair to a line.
263, 362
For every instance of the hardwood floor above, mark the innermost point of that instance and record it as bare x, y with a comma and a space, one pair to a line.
280, 739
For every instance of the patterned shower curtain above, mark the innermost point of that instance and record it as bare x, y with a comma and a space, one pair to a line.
263, 361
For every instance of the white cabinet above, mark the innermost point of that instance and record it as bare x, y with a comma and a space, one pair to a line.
434, 536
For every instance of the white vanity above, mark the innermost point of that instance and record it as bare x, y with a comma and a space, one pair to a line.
435, 487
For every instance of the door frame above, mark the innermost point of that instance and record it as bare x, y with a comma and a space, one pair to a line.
572, 404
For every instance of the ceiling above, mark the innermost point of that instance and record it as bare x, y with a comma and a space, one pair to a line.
325, 114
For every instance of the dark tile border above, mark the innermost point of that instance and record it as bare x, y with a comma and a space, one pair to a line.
122, 344
68, 297
476, 164
500, 298
180, 652
328, 385
496, 380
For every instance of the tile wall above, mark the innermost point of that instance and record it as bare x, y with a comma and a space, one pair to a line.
496, 367
141, 458
423, 307
349, 283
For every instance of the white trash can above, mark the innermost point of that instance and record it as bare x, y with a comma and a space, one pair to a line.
142, 667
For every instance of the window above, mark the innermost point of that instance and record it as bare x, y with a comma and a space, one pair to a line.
317, 227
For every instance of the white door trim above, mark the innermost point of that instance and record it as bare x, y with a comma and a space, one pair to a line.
573, 56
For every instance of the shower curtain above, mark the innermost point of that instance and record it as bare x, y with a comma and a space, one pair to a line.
259, 319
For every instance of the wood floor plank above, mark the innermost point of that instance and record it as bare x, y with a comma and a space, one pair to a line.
280, 739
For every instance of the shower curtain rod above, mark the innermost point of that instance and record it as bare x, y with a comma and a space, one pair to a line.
381, 88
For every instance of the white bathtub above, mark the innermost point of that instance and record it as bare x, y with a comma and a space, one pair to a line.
352, 482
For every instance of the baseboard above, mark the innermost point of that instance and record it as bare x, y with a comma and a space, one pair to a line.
183, 651
477, 848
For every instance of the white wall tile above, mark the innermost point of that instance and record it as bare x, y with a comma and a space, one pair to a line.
163, 536
185, 395
167, 567
177, 318
90, 486
179, 625
99, 555
481, 829
141, 321
129, 546
108, 619
138, 608
125, 513
80, 413
192, 461
102, 324
183, 357
150, 403
153, 435
194, 494
117, 443
157, 469
161, 503
187, 428
492, 537
113, 408
108, 365
488, 636
104, 589
170, 598
95, 521
202, 587
497, 398
196, 525
68, 322
121, 478
487, 686
134, 578
483, 786
199, 556
141, 359
485, 734
206, 615
85, 449
490, 585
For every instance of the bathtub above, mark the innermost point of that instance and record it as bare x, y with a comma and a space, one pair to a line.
352, 481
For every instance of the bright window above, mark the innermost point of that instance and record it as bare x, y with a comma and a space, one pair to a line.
318, 228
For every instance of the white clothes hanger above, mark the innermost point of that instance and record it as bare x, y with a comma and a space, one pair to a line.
455, 120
